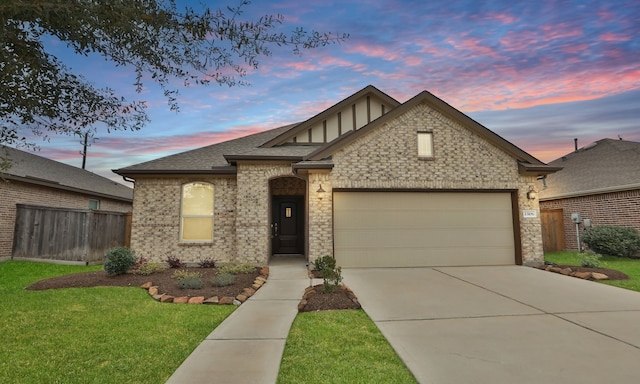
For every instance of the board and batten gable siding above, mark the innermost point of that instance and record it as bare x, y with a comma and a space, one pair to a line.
156, 220
351, 118
17, 192
387, 158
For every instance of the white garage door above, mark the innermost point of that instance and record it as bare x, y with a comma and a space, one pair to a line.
404, 229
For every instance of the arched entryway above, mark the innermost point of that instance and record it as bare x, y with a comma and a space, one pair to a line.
288, 206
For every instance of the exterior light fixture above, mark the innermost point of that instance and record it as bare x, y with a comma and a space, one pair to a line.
532, 194
320, 190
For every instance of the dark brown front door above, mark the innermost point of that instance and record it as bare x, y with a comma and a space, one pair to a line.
287, 229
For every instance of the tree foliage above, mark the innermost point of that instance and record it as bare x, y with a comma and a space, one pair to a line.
159, 41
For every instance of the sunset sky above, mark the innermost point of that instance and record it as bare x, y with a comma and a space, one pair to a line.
538, 73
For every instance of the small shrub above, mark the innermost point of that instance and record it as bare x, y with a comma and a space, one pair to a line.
332, 278
237, 268
207, 263
590, 260
324, 262
139, 262
223, 279
182, 273
190, 282
613, 240
149, 268
174, 262
119, 260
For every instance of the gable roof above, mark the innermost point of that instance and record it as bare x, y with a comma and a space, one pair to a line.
369, 90
606, 165
277, 144
29, 168
527, 163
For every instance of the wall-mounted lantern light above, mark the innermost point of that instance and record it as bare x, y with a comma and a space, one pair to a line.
320, 190
532, 194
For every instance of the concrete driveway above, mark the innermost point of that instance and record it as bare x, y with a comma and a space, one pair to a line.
507, 324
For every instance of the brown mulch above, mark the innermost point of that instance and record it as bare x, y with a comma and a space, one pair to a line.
339, 299
611, 273
163, 280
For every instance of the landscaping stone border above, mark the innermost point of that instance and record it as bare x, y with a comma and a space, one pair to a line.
569, 272
225, 300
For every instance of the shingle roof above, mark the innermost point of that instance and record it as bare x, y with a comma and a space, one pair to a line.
220, 158
602, 166
211, 159
35, 169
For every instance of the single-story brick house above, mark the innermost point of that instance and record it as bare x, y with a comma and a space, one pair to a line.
35, 180
371, 181
600, 181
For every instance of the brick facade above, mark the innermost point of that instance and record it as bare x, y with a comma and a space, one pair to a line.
384, 158
16, 192
387, 159
614, 208
155, 230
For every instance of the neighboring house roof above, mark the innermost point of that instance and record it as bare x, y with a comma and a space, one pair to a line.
277, 144
606, 165
33, 169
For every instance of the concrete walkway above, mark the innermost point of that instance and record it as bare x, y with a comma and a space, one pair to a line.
247, 346
505, 324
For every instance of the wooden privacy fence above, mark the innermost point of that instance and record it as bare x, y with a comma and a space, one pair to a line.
68, 235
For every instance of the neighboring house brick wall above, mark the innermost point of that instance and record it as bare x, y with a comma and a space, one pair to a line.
156, 220
614, 208
387, 158
16, 192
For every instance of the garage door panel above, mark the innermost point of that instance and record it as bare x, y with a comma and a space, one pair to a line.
423, 229
420, 238
424, 218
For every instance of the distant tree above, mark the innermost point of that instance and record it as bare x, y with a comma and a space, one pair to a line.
154, 38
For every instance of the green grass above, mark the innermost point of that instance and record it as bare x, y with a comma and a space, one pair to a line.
339, 347
92, 335
631, 267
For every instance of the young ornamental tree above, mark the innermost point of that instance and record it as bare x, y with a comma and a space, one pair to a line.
156, 39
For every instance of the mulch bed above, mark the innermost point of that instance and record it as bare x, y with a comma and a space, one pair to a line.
163, 280
341, 298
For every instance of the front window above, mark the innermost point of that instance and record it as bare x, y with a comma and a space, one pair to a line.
197, 212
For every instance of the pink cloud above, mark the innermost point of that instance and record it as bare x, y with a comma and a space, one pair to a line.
615, 37
371, 50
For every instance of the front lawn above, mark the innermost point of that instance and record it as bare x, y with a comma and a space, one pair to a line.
120, 335
631, 267
339, 347
92, 335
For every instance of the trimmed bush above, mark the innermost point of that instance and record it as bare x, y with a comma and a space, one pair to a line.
613, 240
590, 260
324, 263
149, 268
237, 268
119, 260
223, 279
190, 282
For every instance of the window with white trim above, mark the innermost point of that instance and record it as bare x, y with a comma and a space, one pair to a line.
196, 214
94, 204
425, 144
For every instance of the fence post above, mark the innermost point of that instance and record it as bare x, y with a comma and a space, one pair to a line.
87, 237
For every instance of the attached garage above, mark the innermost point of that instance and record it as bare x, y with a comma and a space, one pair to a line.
411, 229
